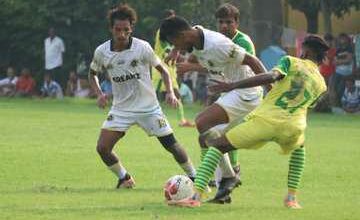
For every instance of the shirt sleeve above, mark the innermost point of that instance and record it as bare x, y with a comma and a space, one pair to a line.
150, 56
230, 52
283, 65
62, 46
97, 62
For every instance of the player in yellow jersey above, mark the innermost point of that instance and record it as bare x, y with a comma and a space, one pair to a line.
162, 49
280, 118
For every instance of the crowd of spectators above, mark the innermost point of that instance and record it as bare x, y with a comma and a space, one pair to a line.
339, 71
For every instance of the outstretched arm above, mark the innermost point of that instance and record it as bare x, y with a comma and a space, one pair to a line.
260, 79
170, 95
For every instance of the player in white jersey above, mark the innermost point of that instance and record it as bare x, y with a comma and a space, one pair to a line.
220, 56
127, 61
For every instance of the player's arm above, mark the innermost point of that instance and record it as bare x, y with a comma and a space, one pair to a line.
258, 80
254, 63
95, 85
170, 95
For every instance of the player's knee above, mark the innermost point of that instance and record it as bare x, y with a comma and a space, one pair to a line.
169, 142
102, 149
200, 123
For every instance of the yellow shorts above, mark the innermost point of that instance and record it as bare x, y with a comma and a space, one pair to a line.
255, 132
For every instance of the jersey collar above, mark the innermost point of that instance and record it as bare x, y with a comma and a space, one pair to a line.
127, 48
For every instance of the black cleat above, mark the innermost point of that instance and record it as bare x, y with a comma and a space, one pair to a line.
126, 182
224, 200
226, 186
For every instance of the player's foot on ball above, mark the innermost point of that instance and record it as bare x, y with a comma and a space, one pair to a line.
291, 203
186, 123
237, 174
226, 186
223, 200
126, 182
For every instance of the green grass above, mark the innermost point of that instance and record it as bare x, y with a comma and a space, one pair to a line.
50, 169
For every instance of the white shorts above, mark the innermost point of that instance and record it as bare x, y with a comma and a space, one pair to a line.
237, 105
153, 123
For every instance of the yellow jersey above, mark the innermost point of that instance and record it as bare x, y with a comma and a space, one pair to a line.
289, 99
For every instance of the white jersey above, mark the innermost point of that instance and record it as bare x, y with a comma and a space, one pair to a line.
223, 57
129, 71
53, 52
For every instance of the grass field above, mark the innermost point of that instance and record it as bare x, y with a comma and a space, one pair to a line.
50, 169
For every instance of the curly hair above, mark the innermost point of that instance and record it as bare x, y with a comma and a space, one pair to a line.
227, 10
122, 12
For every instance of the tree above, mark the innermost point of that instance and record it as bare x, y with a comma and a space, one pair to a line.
311, 9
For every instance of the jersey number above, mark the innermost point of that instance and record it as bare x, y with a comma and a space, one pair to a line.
286, 101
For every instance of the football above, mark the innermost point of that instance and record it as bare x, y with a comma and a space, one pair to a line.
178, 187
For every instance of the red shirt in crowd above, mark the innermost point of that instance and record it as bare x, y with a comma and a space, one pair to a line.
328, 66
25, 84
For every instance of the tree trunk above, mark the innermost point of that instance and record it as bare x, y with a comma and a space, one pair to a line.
312, 21
326, 16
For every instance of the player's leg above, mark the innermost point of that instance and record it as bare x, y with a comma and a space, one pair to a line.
296, 168
156, 124
170, 143
105, 145
183, 122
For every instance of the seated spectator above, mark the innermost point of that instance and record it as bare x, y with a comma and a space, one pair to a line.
51, 88
8, 84
106, 87
77, 87
344, 66
351, 98
25, 86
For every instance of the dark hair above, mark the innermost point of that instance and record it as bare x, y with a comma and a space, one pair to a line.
227, 10
328, 37
168, 13
171, 27
122, 12
317, 45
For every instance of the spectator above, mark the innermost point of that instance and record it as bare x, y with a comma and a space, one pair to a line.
51, 88
8, 84
25, 85
77, 87
351, 98
185, 93
106, 87
54, 49
344, 66
271, 55
327, 68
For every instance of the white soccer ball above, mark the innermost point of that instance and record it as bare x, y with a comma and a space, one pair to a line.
178, 187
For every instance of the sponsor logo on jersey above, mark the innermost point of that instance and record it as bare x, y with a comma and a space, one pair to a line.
134, 63
110, 118
123, 78
162, 123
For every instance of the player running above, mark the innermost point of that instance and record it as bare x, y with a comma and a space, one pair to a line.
280, 118
128, 60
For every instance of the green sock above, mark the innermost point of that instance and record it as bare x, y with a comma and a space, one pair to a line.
296, 168
203, 153
207, 168
180, 112
233, 155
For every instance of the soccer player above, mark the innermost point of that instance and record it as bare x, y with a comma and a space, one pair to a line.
220, 56
228, 18
162, 49
281, 117
128, 60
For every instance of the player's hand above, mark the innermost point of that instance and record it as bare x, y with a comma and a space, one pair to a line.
172, 57
171, 99
219, 87
183, 67
102, 100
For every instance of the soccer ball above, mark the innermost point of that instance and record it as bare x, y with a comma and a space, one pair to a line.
178, 187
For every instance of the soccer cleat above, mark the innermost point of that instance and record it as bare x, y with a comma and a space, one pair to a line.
291, 203
226, 186
126, 182
224, 200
